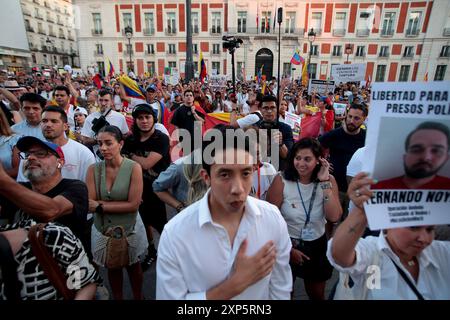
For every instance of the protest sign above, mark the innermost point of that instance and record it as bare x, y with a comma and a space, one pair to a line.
320, 86
348, 72
408, 153
217, 81
294, 121
339, 108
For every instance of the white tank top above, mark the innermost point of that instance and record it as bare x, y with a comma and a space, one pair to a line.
295, 215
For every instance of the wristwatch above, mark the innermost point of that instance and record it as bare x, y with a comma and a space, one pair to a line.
99, 209
325, 185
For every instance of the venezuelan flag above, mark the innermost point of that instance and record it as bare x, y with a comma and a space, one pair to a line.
109, 68
132, 89
305, 79
296, 59
202, 68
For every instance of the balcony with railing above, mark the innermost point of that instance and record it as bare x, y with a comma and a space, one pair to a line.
96, 32
215, 30
291, 33
387, 32
150, 52
195, 29
29, 28
446, 32
363, 32
383, 55
61, 23
26, 12
171, 31
98, 53
70, 37
412, 32
62, 36
215, 52
148, 31
171, 52
408, 55
339, 32
128, 52
39, 16
52, 33
42, 31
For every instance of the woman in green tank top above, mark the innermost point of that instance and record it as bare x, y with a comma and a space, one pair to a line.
115, 191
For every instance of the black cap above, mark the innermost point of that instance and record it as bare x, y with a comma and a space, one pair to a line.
143, 107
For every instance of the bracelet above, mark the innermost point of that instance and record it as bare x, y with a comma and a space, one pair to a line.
325, 185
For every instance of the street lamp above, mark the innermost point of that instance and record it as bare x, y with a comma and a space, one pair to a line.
129, 35
348, 50
311, 38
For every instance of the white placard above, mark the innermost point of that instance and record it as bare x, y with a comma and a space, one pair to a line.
408, 193
348, 72
339, 108
294, 121
321, 86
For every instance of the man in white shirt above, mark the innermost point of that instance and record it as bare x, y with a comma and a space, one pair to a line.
114, 118
238, 246
32, 105
62, 98
77, 157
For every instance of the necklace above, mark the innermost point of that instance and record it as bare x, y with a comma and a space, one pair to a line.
411, 263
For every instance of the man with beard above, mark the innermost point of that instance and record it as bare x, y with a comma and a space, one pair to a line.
342, 143
150, 148
426, 152
47, 197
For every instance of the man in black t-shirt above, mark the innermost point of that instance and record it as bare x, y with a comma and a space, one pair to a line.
47, 197
149, 148
185, 117
342, 144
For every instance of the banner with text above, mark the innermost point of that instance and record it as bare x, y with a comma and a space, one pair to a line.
408, 153
320, 86
348, 72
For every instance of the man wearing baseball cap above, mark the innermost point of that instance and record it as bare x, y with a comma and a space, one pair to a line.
47, 196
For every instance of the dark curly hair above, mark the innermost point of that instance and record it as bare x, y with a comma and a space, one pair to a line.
290, 173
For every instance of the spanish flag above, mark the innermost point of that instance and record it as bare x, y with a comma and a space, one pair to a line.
202, 68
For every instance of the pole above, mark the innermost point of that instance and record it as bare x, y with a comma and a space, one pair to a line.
280, 19
130, 68
233, 74
189, 66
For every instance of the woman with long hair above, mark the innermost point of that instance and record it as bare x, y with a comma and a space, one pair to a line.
115, 193
307, 196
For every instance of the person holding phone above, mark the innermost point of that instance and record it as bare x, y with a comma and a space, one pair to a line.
307, 196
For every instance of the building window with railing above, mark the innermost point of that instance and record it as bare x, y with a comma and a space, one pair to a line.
445, 52
413, 28
127, 19
340, 21
404, 73
99, 48
360, 51
171, 23
172, 64
151, 68
101, 68
242, 22
363, 24
195, 48
381, 72
265, 21
388, 24
149, 24
316, 22
216, 22
440, 72
290, 22
384, 51
315, 50
215, 67
337, 51
313, 70
195, 22
408, 52
286, 69
172, 49
150, 48
216, 48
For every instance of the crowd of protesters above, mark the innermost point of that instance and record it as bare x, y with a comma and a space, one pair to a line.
93, 162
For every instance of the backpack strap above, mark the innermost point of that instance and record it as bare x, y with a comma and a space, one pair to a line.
48, 262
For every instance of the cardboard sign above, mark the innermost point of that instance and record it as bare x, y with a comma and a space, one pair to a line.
348, 72
339, 108
407, 152
294, 121
321, 86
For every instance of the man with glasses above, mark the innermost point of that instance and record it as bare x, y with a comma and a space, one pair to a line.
426, 153
47, 196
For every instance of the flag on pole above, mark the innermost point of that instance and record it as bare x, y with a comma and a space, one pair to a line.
305, 74
259, 75
97, 79
109, 68
202, 67
425, 78
296, 58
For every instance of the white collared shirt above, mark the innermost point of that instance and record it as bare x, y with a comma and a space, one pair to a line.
434, 276
195, 254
